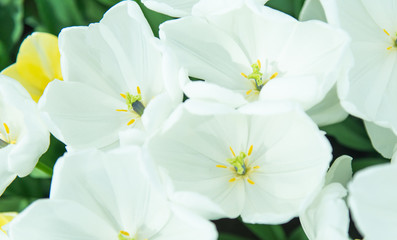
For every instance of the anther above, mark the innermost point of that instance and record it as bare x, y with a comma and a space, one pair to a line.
250, 150
250, 181
131, 122
231, 149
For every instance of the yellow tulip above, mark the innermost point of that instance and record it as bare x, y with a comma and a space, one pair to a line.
5, 218
38, 63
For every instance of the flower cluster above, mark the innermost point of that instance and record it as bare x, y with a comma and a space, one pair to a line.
217, 118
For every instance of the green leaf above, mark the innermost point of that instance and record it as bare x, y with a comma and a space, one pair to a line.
298, 234
290, 7
57, 14
350, 133
11, 19
361, 163
267, 232
229, 236
108, 3
93, 11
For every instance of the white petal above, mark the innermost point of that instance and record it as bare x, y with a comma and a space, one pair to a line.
131, 205
328, 111
89, 118
372, 201
174, 8
383, 139
59, 219
302, 90
223, 59
327, 218
340, 171
312, 9
211, 92
184, 225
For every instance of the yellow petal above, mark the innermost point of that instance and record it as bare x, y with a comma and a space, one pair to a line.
5, 218
38, 63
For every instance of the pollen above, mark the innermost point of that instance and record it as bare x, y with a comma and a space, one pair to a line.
259, 63
250, 150
244, 75
123, 95
250, 181
121, 110
274, 75
384, 30
138, 90
131, 122
256, 167
125, 233
6, 128
221, 166
248, 92
232, 180
231, 149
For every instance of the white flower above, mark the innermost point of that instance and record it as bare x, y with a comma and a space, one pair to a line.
96, 195
180, 8
260, 162
372, 200
255, 52
114, 79
23, 136
370, 91
327, 216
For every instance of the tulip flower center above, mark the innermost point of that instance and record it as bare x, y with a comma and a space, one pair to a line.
240, 166
258, 78
393, 39
134, 104
5, 137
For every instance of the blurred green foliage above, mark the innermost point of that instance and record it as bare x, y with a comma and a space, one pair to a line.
19, 18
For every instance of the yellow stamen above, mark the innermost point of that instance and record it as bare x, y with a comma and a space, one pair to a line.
232, 180
389, 48
256, 167
259, 63
274, 75
248, 92
250, 181
138, 89
243, 74
125, 233
123, 95
231, 149
6, 127
121, 110
386, 32
131, 122
250, 150
221, 166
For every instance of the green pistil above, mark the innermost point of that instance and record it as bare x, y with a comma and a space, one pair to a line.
3, 143
134, 103
238, 163
256, 75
